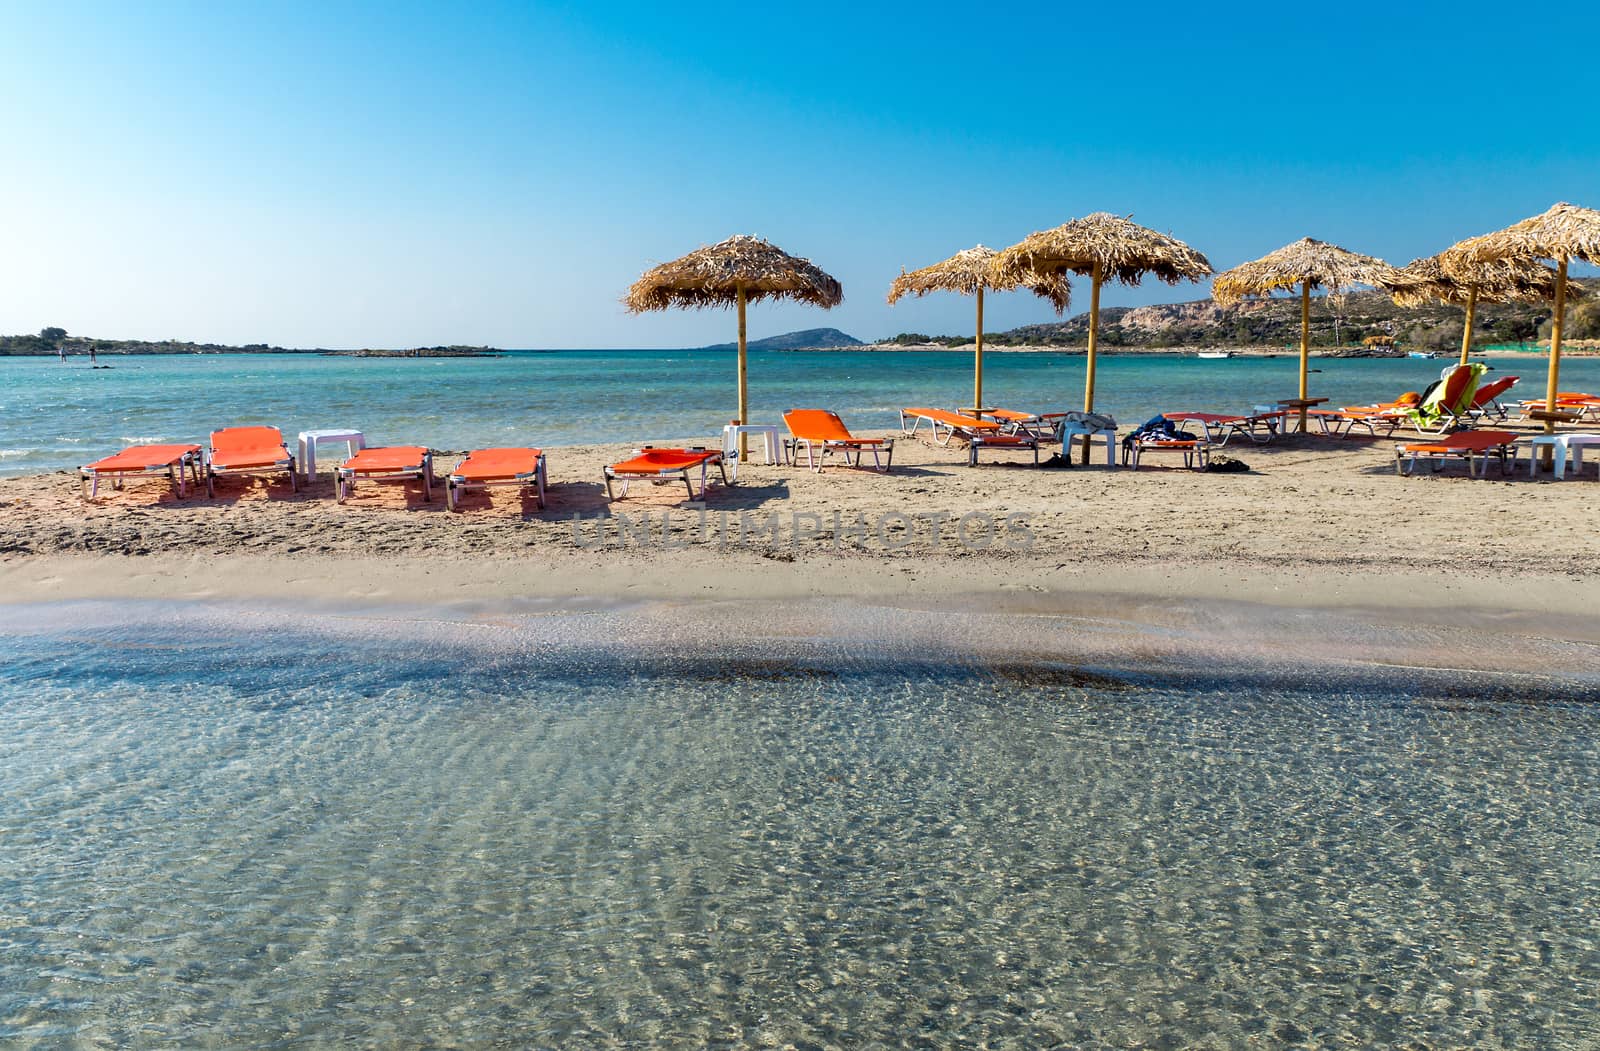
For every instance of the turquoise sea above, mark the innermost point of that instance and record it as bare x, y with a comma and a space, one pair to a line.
240, 829
54, 416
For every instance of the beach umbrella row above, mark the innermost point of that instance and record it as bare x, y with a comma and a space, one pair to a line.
1498, 267
1426, 280
1562, 234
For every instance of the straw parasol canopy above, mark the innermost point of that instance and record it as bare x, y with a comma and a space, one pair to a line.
1564, 233
1467, 283
1310, 264
733, 273
969, 272
1103, 247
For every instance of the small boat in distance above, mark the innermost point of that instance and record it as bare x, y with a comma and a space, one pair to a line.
1428, 354
1213, 355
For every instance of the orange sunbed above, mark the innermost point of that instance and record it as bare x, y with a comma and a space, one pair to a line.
248, 450
393, 463
1260, 428
1192, 448
660, 466
1486, 401
977, 433
820, 429
169, 460
487, 468
1482, 444
1043, 426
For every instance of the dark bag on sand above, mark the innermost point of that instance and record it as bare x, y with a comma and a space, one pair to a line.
1226, 465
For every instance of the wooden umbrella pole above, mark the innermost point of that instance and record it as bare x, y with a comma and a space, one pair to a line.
744, 391
1305, 346
1094, 336
977, 365
1466, 336
1554, 383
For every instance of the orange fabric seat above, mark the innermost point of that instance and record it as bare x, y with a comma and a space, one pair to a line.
661, 465
497, 465
248, 450
1468, 444
143, 459
386, 459
954, 420
810, 428
487, 468
391, 463
239, 448
664, 461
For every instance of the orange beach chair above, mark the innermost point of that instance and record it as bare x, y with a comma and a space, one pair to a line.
169, 460
394, 463
1481, 444
820, 429
249, 451
1260, 428
977, 433
487, 468
660, 466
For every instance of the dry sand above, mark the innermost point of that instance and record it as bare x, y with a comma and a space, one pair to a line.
1318, 523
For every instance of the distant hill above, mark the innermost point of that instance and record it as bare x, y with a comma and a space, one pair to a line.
53, 341
810, 339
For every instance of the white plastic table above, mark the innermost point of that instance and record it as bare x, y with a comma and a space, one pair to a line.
770, 445
1567, 448
1071, 430
309, 440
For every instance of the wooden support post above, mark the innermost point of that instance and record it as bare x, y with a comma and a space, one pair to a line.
1305, 346
1094, 337
1472, 310
744, 390
977, 366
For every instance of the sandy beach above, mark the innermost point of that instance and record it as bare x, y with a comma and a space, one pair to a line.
1316, 524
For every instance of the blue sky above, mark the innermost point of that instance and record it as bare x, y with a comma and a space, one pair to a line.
390, 174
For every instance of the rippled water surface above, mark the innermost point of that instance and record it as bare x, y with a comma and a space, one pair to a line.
235, 838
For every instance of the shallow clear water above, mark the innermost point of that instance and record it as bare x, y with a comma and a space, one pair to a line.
222, 837
54, 416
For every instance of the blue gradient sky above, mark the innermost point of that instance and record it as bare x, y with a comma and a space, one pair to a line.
389, 174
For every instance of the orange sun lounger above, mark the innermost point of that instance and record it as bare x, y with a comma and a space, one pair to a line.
1482, 444
247, 451
1043, 426
487, 468
660, 466
1260, 428
1487, 401
394, 463
820, 429
169, 460
977, 433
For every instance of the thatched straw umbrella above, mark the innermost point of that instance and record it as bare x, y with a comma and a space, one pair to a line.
1467, 284
1104, 247
969, 272
1564, 233
735, 272
1309, 264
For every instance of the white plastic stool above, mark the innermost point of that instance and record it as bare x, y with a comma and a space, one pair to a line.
1071, 430
309, 440
770, 445
1566, 449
